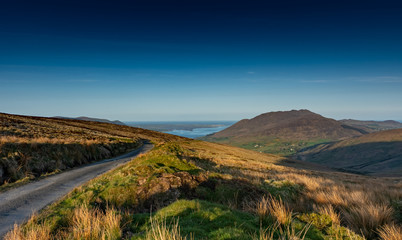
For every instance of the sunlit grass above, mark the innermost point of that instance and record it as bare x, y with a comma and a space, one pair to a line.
200, 190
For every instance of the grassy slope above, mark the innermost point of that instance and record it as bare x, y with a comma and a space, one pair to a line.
34, 146
272, 145
211, 191
377, 153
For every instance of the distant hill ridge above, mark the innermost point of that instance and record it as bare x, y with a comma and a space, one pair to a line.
350, 145
372, 126
378, 153
294, 125
93, 119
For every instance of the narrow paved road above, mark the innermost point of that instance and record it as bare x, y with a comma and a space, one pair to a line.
18, 204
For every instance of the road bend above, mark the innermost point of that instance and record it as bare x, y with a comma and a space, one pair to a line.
18, 204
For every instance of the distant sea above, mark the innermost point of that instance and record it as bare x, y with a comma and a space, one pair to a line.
193, 129
196, 132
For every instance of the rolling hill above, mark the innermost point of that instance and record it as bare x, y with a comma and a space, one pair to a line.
378, 153
34, 146
284, 132
372, 126
94, 120
201, 190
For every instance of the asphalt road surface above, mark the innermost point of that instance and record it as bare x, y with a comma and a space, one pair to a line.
18, 204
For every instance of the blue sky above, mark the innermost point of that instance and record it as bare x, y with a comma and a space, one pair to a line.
201, 60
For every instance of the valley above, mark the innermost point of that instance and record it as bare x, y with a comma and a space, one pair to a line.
378, 154
363, 147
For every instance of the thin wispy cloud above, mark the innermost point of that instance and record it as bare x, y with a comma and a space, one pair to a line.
84, 80
250, 72
381, 79
314, 81
392, 81
390, 77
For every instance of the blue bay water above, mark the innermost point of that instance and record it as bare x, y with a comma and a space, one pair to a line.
190, 129
196, 132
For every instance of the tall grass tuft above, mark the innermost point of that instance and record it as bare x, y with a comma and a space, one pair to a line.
330, 211
367, 218
390, 232
31, 232
93, 224
278, 232
269, 206
86, 224
159, 230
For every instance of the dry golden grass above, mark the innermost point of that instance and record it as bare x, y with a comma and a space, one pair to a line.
46, 140
86, 224
368, 218
31, 231
159, 230
327, 197
359, 202
285, 232
269, 206
390, 232
262, 208
93, 224
330, 211
39, 232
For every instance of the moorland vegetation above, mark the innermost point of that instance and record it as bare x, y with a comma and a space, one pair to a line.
190, 189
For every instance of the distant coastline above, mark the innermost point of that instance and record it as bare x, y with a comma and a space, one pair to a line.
190, 129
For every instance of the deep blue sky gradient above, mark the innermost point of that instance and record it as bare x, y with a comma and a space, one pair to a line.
201, 60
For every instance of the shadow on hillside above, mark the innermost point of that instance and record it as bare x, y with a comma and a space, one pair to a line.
236, 193
19, 160
304, 165
377, 158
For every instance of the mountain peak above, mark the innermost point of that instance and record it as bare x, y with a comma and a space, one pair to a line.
294, 124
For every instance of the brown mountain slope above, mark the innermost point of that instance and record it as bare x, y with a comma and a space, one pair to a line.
94, 120
284, 132
295, 125
32, 146
378, 153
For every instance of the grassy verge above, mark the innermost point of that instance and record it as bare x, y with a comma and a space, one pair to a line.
25, 180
